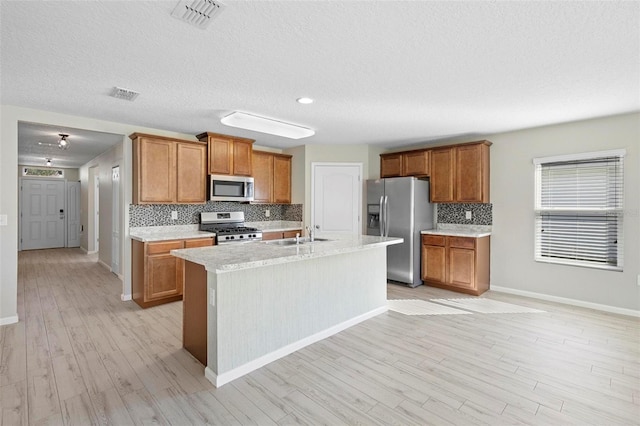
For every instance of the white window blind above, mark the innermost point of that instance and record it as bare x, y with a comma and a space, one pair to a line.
579, 209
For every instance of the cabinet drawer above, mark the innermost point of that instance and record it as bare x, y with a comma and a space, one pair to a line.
163, 247
462, 242
201, 242
433, 240
292, 234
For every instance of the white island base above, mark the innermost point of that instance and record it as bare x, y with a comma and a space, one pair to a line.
259, 314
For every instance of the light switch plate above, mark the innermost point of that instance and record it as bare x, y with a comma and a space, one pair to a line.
4, 219
212, 302
468, 215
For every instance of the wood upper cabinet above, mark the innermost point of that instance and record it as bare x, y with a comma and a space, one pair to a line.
409, 163
416, 163
168, 171
228, 155
460, 173
390, 165
441, 181
272, 177
157, 276
456, 263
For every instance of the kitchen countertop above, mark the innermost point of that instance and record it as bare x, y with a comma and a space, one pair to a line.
164, 233
276, 225
233, 257
452, 230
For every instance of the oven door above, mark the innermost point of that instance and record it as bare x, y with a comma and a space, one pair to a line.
231, 188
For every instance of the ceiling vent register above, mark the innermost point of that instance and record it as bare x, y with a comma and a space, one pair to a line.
126, 94
198, 13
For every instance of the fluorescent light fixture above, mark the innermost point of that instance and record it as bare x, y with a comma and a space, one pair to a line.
242, 120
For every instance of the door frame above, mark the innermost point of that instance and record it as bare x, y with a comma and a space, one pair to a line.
315, 164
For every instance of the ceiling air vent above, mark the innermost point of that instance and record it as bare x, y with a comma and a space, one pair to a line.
126, 94
198, 13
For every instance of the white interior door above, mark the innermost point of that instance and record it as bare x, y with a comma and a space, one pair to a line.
336, 200
42, 211
73, 214
115, 220
96, 213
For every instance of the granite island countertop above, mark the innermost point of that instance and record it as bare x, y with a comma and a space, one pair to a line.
147, 234
452, 230
233, 257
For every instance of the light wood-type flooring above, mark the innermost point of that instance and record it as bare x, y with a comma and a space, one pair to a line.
81, 356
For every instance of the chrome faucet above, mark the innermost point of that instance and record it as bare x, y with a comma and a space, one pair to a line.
297, 238
310, 232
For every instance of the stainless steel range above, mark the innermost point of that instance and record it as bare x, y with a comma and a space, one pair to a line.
229, 227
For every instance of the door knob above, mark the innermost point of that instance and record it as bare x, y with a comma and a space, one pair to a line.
317, 226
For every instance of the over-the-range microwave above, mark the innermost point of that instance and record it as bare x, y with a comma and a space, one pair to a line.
230, 188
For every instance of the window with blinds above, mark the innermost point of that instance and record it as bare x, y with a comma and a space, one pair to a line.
579, 209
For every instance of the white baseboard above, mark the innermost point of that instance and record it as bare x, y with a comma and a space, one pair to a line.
125, 297
567, 301
226, 377
9, 320
104, 265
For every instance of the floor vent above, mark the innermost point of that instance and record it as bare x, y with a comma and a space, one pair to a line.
198, 13
126, 94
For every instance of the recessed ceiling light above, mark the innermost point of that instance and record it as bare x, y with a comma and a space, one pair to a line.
304, 100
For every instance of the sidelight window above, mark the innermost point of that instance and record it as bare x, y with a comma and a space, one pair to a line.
579, 209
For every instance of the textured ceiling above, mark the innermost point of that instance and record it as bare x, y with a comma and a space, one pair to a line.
385, 73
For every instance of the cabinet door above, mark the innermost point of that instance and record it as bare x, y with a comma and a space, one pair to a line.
416, 163
191, 171
442, 173
469, 183
390, 165
220, 155
156, 179
433, 263
292, 234
263, 177
462, 267
267, 236
242, 158
165, 278
282, 179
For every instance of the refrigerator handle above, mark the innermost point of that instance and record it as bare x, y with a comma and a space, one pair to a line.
381, 218
386, 216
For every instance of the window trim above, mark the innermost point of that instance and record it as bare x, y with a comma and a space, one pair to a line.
619, 212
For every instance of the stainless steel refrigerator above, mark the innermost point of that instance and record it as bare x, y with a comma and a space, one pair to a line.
399, 207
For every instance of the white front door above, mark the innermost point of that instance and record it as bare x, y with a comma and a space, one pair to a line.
336, 200
42, 209
73, 214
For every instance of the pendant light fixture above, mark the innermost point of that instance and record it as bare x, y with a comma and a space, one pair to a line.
63, 143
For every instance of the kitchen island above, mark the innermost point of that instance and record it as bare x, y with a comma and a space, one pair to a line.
246, 305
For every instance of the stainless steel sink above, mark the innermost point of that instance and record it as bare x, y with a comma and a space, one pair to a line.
292, 241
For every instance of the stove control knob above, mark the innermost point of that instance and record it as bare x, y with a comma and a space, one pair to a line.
241, 236
231, 237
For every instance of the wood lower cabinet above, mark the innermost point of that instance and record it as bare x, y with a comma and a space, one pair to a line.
168, 171
456, 263
157, 277
278, 235
228, 155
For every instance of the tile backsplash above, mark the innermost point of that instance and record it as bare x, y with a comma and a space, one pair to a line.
481, 214
160, 214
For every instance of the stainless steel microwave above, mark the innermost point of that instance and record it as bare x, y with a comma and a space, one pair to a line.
230, 188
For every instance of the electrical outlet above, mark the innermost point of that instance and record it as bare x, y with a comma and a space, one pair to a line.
467, 215
638, 280
212, 302
4, 219
267, 213
174, 215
